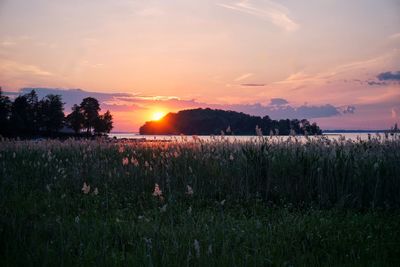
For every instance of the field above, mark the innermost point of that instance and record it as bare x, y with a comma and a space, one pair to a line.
267, 202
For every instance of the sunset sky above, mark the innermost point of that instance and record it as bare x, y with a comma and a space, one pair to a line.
336, 62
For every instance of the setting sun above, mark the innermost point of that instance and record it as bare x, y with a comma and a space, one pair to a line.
157, 115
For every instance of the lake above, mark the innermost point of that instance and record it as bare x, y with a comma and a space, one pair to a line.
351, 136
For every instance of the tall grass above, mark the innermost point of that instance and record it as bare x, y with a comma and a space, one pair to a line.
263, 202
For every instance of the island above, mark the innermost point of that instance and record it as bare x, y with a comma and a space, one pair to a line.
215, 122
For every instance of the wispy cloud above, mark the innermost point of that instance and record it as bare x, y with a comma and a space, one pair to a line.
8, 43
9, 66
389, 76
253, 84
275, 13
243, 76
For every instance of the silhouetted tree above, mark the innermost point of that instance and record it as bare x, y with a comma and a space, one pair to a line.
5, 113
51, 110
19, 116
104, 123
90, 109
208, 121
75, 119
33, 124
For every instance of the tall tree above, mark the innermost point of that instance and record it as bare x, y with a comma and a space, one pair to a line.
75, 119
52, 113
104, 123
90, 109
33, 112
19, 116
5, 113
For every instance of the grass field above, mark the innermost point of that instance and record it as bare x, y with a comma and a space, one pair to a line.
218, 203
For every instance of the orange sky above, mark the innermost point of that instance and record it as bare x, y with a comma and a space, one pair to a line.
315, 55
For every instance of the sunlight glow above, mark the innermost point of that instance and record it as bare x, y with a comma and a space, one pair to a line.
157, 115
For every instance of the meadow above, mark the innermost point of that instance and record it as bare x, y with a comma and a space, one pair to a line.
190, 202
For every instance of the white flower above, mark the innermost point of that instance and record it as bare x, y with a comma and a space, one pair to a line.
209, 251
85, 188
96, 191
189, 190
197, 248
77, 219
157, 191
163, 208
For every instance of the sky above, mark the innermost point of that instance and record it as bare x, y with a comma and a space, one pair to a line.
336, 62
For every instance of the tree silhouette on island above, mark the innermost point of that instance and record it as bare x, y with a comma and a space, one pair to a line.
214, 122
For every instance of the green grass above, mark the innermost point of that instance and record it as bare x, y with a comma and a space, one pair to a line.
260, 203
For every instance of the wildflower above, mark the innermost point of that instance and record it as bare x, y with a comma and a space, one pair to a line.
176, 154
209, 251
376, 165
157, 192
163, 208
121, 149
85, 188
231, 157
77, 219
96, 191
196, 245
146, 164
222, 202
135, 162
125, 161
189, 190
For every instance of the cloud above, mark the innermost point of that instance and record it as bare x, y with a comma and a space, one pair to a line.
8, 43
274, 13
73, 96
278, 101
348, 109
395, 36
389, 76
13, 68
244, 76
253, 84
376, 83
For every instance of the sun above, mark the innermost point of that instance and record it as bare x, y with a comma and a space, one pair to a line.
157, 115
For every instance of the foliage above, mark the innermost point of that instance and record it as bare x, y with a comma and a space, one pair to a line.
103, 123
28, 116
90, 108
208, 121
51, 110
75, 119
5, 113
269, 202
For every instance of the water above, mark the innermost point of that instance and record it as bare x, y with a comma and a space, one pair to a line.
351, 136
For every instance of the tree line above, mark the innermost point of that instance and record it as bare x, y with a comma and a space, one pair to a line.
209, 121
27, 116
